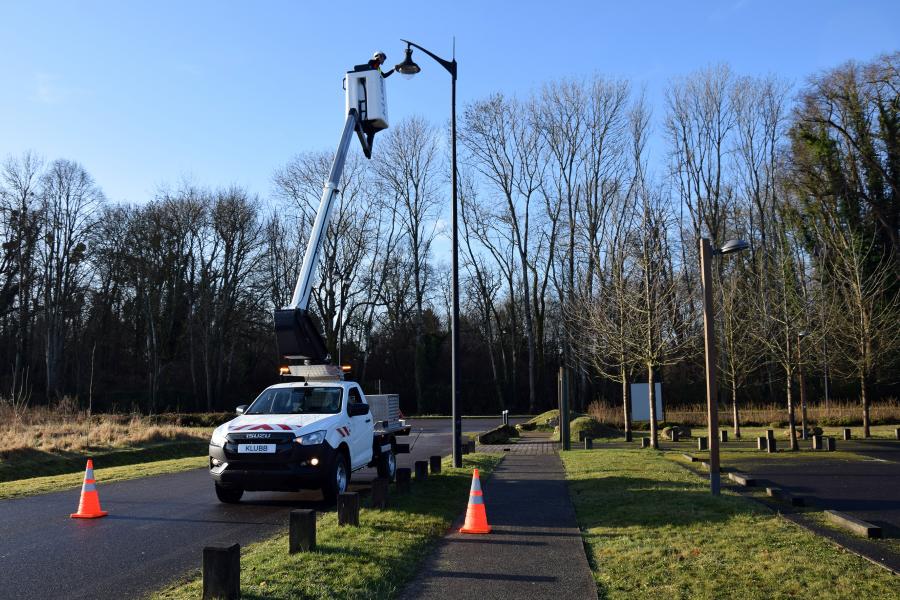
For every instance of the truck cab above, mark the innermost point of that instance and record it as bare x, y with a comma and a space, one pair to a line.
302, 435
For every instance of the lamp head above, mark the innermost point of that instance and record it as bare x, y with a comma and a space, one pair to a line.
732, 246
407, 68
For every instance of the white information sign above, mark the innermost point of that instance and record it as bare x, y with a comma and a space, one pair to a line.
640, 402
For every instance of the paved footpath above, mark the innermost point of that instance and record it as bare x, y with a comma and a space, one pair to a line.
535, 548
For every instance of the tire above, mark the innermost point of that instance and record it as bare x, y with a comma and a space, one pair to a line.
338, 478
229, 495
387, 466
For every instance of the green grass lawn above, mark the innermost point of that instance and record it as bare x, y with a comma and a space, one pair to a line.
373, 561
55, 483
653, 531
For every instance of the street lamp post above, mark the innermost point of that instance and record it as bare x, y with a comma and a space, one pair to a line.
800, 336
712, 392
409, 68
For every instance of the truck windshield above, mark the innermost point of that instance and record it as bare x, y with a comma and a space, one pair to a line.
297, 401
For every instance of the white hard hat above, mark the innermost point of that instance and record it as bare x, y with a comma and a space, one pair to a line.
379, 54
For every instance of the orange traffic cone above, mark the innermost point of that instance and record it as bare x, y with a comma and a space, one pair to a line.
89, 507
476, 517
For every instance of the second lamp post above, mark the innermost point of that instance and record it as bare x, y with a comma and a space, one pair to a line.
712, 391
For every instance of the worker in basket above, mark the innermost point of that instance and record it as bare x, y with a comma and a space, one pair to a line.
377, 60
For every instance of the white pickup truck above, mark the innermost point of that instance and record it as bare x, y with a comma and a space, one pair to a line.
305, 435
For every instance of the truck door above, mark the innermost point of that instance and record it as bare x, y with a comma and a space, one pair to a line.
360, 431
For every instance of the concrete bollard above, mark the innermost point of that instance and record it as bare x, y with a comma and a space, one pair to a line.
302, 531
762, 443
723, 435
771, 445
830, 444
380, 489
435, 464
222, 572
645, 442
403, 477
348, 509
421, 467
628, 436
702, 443
817, 442
847, 433
588, 443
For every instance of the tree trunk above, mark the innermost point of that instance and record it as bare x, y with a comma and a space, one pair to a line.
734, 409
626, 406
651, 394
791, 417
865, 405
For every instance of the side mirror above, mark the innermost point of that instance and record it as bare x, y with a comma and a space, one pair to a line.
357, 409
240, 409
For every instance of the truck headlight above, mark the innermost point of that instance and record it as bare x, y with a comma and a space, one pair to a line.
218, 438
311, 439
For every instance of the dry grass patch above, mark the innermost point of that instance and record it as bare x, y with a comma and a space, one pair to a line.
55, 430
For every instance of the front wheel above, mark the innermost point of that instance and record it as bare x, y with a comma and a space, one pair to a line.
338, 478
229, 495
387, 466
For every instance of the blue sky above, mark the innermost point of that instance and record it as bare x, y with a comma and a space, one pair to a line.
146, 93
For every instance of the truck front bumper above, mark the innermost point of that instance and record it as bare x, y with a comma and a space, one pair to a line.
292, 467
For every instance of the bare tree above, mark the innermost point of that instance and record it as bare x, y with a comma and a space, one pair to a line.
409, 173
20, 219
506, 149
69, 197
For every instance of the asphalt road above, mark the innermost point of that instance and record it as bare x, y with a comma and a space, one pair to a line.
156, 528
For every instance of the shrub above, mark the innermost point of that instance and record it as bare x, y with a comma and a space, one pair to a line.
589, 427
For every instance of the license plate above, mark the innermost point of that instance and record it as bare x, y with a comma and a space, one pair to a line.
256, 448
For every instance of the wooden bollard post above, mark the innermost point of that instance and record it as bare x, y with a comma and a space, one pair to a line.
628, 436
222, 572
588, 443
847, 433
770, 434
723, 435
379, 493
302, 531
702, 443
762, 443
817, 442
675, 434
830, 444
421, 470
771, 445
471, 446
898, 433
348, 509
403, 477
435, 464
645, 442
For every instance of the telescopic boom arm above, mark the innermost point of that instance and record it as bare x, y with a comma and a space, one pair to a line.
297, 335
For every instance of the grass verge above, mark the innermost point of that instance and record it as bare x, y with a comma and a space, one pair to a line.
374, 560
652, 530
55, 483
